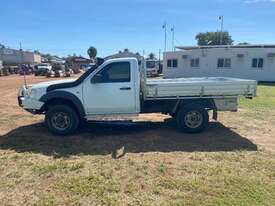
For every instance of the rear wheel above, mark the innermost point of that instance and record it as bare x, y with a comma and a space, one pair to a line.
62, 120
192, 118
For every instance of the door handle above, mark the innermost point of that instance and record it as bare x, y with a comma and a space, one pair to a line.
125, 88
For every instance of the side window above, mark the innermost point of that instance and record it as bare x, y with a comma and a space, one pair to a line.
169, 63
227, 62
257, 63
224, 63
175, 63
195, 63
220, 63
172, 63
116, 72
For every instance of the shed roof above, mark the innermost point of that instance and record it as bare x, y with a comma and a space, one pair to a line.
226, 46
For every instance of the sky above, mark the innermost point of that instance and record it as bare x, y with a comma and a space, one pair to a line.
63, 27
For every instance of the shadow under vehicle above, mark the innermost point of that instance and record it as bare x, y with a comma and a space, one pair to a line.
107, 137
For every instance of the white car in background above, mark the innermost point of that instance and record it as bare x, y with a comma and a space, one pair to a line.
152, 67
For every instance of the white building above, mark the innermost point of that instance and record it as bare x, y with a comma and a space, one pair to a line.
255, 62
14, 57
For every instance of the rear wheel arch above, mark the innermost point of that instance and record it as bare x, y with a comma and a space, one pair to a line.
205, 103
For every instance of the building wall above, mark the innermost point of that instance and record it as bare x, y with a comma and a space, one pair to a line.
12, 56
241, 63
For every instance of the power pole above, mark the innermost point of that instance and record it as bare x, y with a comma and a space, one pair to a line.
221, 34
159, 58
21, 65
173, 38
165, 35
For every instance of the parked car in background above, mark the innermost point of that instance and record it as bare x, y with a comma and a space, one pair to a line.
42, 69
25, 70
68, 72
1, 68
152, 67
59, 70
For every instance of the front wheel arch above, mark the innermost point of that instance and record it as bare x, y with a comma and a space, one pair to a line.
62, 97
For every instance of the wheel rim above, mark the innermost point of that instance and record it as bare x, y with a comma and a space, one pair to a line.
193, 119
61, 121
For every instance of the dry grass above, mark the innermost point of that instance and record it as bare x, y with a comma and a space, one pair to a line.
147, 162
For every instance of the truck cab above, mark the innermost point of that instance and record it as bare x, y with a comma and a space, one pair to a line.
113, 88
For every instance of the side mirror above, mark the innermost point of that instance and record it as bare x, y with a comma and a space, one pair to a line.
97, 78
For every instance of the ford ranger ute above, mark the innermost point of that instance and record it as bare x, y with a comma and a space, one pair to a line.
119, 87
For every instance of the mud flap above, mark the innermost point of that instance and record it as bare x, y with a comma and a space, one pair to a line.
215, 115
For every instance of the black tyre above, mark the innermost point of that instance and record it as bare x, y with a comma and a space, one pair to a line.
192, 118
62, 120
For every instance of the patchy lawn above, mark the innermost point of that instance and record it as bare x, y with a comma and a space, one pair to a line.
145, 162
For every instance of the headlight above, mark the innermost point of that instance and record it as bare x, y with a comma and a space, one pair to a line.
22, 91
29, 91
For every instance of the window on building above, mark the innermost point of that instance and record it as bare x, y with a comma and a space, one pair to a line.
195, 63
175, 63
224, 63
257, 62
172, 63
169, 63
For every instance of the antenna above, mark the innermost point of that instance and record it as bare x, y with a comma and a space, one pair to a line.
21, 65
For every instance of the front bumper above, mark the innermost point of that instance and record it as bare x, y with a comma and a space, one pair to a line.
26, 102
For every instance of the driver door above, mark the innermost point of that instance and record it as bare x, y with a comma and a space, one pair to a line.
111, 90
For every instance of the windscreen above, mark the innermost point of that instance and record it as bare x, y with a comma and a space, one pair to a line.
150, 64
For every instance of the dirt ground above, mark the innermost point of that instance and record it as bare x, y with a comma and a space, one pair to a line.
132, 158
259, 131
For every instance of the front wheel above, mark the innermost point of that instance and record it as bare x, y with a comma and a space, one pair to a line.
62, 120
192, 118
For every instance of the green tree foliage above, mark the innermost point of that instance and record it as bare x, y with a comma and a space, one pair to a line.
243, 43
92, 52
213, 38
151, 56
36, 51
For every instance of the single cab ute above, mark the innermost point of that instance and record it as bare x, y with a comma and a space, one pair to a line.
120, 87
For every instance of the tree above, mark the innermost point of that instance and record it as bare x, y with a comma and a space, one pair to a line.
36, 52
243, 43
92, 52
213, 38
126, 50
151, 56
2, 46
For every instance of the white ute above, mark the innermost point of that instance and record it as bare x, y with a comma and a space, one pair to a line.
119, 87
